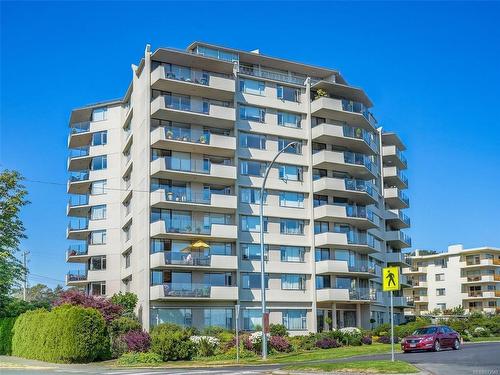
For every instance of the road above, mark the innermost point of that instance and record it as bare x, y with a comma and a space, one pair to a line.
475, 359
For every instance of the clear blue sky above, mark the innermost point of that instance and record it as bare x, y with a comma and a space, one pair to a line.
432, 70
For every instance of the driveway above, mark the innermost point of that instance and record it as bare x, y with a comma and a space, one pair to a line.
475, 359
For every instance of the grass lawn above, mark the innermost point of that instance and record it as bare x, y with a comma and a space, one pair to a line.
371, 367
490, 338
304, 356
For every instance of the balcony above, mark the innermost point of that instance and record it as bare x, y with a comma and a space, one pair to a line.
420, 299
78, 229
79, 158
358, 216
76, 278
482, 294
79, 134
398, 259
396, 199
343, 267
346, 295
77, 253
398, 239
404, 280
193, 260
195, 170
79, 181
193, 110
397, 219
194, 82
193, 140
420, 284
363, 243
194, 230
193, 291
277, 295
360, 191
401, 301
193, 201
414, 270
353, 113
356, 164
78, 205
356, 139
272, 75
393, 156
483, 262
480, 278
395, 178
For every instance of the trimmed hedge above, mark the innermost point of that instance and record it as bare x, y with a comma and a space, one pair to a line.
67, 334
6, 325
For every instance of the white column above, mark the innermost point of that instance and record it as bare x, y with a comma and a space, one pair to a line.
358, 315
334, 315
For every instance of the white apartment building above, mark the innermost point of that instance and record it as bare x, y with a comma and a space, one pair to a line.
469, 278
164, 193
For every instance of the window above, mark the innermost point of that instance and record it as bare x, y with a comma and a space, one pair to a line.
253, 141
251, 251
292, 253
293, 282
98, 237
218, 279
216, 54
321, 253
99, 162
97, 289
439, 276
159, 245
100, 114
291, 226
251, 195
156, 277
291, 199
290, 172
252, 223
288, 93
98, 212
320, 200
441, 306
250, 86
252, 113
252, 168
319, 173
323, 282
182, 317
221, 248
98, 187
320, 227
252, 319
294, 149
295, 320
97, 263
252, 281
440, 292
290, 120
127, 257
218, 318
100, 138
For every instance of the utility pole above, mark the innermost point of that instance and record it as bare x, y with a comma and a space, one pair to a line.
25, 281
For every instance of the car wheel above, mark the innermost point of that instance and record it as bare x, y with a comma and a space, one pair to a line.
456, 345
437, 346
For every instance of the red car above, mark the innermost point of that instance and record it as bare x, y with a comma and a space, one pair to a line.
431, 338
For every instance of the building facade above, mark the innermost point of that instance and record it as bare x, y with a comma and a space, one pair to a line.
164, 193
468, 278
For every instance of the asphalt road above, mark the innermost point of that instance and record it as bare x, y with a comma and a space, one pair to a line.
472, 359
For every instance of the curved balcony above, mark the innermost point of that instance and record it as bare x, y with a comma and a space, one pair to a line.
352, 138
342, 267
363, 243
360, 191
193, 291
346, 295
356, 164
358, 216
353, 113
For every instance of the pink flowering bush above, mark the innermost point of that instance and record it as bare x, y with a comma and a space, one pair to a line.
109, 310
280, 344
136, 341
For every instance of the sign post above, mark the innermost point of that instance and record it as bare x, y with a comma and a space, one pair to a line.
390, 283
237, 313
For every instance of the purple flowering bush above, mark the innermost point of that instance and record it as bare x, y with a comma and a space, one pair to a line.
327, 343
137, 341
109, 310
366, 340
387, 339
280, 344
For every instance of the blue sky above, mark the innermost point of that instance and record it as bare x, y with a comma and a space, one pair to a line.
432, 70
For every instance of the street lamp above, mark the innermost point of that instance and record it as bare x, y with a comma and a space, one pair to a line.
262, 266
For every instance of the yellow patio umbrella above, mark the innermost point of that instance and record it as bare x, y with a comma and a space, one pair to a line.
198, 245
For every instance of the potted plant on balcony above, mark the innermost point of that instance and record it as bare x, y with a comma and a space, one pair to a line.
203, 139
320, 94
170, 195
170, 134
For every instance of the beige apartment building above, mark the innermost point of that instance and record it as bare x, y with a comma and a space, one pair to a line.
164, 193
469, 278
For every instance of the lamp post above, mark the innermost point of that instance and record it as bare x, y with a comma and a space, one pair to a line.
262, 265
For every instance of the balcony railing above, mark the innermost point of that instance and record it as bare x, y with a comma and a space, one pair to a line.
188, 104
187, 135
360, 159
187, 259
360, 185
79, 152
77, 275
362, 294
188, 227
360, 238
476, 293
362, 267
359, 212
403, 197
401, 156
78, 200
402, 177
80, 127
188, 75
183, 165
79, 176
352, 106
404, 237
275, 76
186, 290
78, 224
77, 249
362, 134
404, 218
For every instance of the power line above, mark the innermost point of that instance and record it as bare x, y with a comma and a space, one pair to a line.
64, 184
47, 277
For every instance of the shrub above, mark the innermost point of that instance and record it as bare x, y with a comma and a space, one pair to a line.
387, 340
123, 325
351, 330
172, 342
206, 345
306, 342
366, 340
134, 359
280, 344
6, 325
480, 332
327, 343
213, 331
278, 330
68, 334
127, 301
385, 327
137, 341
109, 310
353, 340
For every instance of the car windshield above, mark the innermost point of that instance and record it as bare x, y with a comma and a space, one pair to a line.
425, 331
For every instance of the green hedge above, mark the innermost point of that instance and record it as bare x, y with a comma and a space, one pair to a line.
6, 325
67, 334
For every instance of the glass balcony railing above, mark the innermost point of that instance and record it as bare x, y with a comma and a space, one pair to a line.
404, 237
187, 165
187, 196
362, 238
402, 177
362, 134
79, 152
185, 103
360, 159
403, 197
362, 267
352, 106
186, 290
80, 127
361, 294
187, 135
77, 249
188, 227
187, 74
78, 200
187, 259
360, 212
272, 75
78, 224
77, 275
360, 185
404, 218
79, 176
401, 156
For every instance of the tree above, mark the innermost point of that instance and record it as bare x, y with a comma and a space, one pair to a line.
12, 199
127, 301
40, 293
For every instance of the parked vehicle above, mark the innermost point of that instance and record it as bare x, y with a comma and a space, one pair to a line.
431, 338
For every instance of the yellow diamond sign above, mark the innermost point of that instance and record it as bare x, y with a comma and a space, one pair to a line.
390, 278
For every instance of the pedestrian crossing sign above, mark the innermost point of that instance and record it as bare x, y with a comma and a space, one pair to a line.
390, 279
